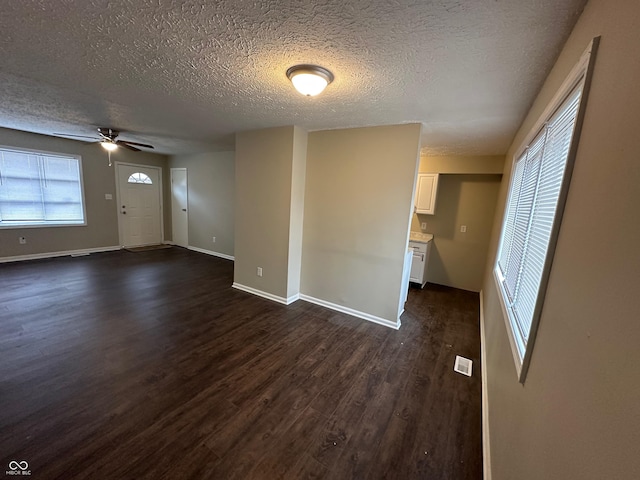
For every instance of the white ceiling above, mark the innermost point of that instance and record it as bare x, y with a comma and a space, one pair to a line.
186, 75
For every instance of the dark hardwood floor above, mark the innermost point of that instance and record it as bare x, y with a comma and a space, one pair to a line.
150, 366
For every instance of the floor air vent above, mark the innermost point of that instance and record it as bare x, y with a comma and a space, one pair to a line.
463, 366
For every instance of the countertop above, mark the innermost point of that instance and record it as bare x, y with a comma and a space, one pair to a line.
420, 237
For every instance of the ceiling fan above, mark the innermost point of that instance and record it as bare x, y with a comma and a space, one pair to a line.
108, 139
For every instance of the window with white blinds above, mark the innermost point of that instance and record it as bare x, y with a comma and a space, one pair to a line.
538, 187
40, 189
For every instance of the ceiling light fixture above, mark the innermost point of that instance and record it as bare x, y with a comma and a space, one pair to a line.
109, 146
309, 80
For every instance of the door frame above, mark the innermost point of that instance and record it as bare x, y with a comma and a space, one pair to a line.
160, 193
186, 176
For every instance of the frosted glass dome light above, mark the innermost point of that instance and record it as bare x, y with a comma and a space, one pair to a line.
309, 80
109, 146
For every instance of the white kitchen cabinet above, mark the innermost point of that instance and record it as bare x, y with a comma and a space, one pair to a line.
419, 262
426, 191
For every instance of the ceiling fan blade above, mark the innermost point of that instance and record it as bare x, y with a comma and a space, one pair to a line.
137, 144
120, 143
71, 135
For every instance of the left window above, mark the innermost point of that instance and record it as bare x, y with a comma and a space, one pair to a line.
40, 189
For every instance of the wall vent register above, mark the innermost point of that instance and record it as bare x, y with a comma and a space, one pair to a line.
463, 366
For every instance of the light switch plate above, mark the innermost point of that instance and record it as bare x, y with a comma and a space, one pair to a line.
108, 196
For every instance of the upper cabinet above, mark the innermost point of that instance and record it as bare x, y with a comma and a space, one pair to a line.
426, 190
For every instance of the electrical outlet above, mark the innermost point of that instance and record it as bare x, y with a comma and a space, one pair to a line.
22, 240
214, 239
463, 228
423, 225
259, 272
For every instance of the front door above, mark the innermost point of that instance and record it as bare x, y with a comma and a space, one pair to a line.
139, 206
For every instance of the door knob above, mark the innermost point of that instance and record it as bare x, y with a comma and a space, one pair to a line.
184, 209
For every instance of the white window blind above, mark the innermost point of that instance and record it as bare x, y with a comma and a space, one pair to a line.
531, 208
39, 189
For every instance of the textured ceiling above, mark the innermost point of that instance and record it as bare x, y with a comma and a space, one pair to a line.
186, 75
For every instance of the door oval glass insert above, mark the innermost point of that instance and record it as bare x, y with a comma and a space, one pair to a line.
140, 177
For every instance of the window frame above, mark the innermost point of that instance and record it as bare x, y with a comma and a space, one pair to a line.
45, 224
581, 72
144, 180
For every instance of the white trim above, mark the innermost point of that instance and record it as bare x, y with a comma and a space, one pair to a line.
486, 444
268, 296
42, 225
576, 74
81, 252
352, 312
317, 301
209, 252
517, 359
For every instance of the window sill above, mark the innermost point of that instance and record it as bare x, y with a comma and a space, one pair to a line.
16, 226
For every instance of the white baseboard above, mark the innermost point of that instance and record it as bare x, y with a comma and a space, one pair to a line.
211, 252
350, 311
268, 296
486, 444
317, 301
65, 253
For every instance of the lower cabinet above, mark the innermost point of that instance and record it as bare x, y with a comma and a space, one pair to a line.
419, 262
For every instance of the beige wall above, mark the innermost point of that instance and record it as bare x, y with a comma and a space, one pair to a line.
578, 414
102, 215
467, 193
454, 164
298, 176
211, 190
459, 259
358, 203
264, 171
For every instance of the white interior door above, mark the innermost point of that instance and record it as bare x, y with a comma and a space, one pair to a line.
139, 205
179, 207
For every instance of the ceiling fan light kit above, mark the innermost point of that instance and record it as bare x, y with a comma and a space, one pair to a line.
309, 80
109, 136
109, 145
108, 141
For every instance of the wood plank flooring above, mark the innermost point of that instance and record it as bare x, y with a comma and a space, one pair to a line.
149, 365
